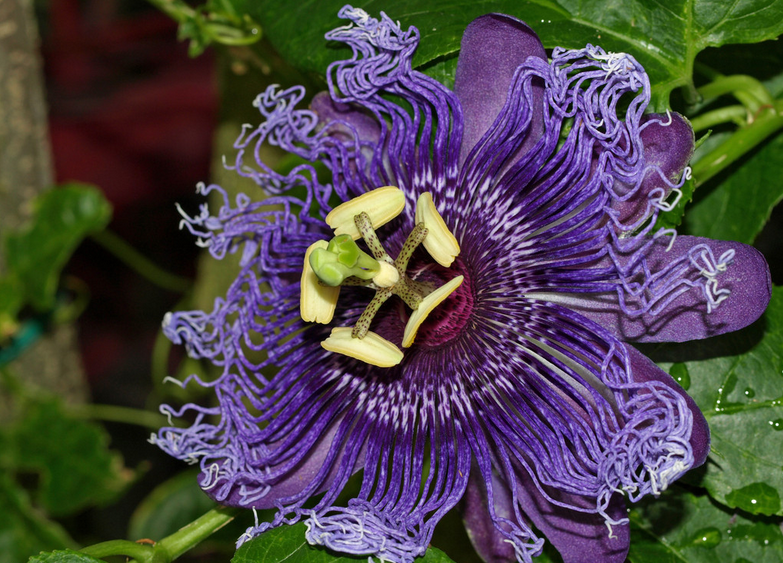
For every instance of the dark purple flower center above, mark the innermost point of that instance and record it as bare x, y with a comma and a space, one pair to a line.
449, 319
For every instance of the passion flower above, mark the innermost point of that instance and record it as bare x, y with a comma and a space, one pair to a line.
450, 312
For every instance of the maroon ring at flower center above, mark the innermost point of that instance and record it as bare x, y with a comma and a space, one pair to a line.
449, 319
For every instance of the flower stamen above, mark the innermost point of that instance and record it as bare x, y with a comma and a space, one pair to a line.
372, 349
341, 262
318, 301
426, 307
381, 204
441, 244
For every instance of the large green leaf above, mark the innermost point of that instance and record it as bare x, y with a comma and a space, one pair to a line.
71, 458
682, 528
739, 387
663, 36
63, 217
64, 556
23, 530
287, 543
740, 206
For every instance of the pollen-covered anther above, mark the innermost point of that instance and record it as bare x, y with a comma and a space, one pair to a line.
372, 349
440, 243
381, 205
426, 306
317, 302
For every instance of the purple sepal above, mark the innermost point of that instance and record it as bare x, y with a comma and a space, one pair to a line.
490, 544
698, 288
644, 370
233, 491
493, 47
668, 146
345, 121
579, 537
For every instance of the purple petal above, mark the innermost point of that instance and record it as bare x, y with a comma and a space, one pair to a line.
234, 491
491, 545
353, 121
493, 46
687, 316
644, 370
668, 146
580, 537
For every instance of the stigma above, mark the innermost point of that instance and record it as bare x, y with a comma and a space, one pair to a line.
329, 265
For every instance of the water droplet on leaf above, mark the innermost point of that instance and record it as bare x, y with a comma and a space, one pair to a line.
757, 498
706, 537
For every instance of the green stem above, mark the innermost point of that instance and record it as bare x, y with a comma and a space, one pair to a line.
706, 71
689, 93
113, 413
140, 263
738, 144
160, 359
176, 10
746, 89
140, 552
194, 533
171, 547
735, 114
230, 34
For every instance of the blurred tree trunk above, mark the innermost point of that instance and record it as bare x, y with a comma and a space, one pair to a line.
53, 362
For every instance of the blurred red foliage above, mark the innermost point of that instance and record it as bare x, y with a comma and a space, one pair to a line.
131, 113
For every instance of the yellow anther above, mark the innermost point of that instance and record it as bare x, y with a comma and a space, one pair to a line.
388, 275
426, 307
317, 302
381, 204
440, 243
372, 349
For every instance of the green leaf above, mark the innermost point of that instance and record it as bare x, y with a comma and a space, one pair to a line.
679, 527
172, 505
664, 37
63, 217
64, 556
739, 387
11, 302
71, 457
739, 207
23, 531
672, 219
287, 543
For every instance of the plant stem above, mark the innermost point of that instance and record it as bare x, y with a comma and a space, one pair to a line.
140, 552
176, 10
140, 263
160, 359
194, 533
735, 114
112, 413
746, 89
741, 142
171, 547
